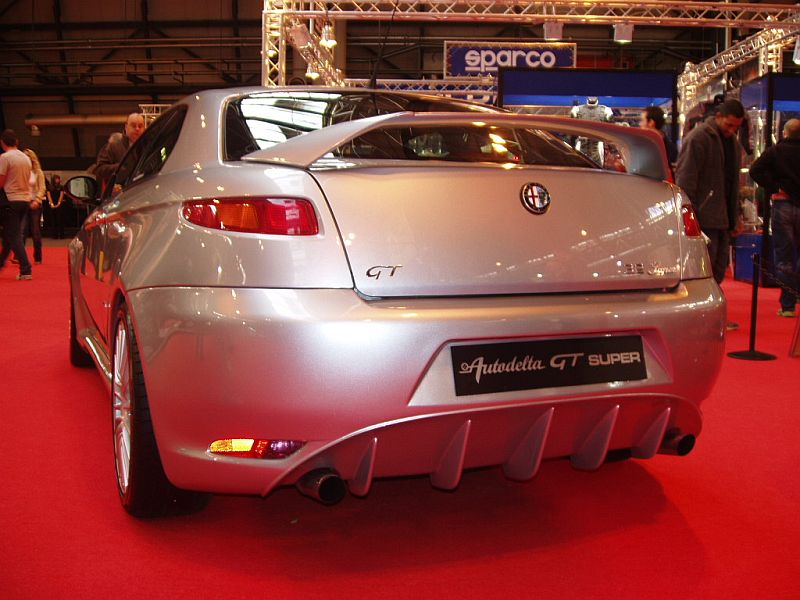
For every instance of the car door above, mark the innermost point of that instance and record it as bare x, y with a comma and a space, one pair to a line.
107, 239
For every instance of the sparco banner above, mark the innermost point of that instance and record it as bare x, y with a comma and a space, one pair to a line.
484, 58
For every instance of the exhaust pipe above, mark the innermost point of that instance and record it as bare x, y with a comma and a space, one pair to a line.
677, 443
323, 485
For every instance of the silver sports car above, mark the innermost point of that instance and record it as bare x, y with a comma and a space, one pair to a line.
319, 287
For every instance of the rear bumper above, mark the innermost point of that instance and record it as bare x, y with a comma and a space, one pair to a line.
369, 387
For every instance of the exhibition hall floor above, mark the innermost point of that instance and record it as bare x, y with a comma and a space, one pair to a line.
723, 522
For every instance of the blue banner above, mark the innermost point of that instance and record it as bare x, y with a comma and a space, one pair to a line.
484, 58
565, 87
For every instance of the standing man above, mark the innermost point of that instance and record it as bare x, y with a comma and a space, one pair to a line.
652, 117
708, 171
778, 170
112, 153
15, 174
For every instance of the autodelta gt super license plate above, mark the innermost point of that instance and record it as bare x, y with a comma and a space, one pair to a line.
512, 366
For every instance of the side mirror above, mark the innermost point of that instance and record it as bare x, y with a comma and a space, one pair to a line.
82, 189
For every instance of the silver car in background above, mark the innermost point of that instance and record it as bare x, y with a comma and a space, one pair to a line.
318, 287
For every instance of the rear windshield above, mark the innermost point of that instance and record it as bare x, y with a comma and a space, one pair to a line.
264, 119
474, 143
261, 120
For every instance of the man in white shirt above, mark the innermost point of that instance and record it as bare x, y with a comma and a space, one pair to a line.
15, 174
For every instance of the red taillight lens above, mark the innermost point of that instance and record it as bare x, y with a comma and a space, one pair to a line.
275, 216
691, 225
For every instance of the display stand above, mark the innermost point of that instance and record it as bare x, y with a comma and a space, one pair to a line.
751, 353
794, 348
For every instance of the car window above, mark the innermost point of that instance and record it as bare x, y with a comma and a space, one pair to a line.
261, 120
163, 137
148, 155
463, 144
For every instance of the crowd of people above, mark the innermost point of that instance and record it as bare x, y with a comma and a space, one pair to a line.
25, 193
707, 168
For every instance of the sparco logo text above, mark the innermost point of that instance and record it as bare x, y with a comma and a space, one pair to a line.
488, 60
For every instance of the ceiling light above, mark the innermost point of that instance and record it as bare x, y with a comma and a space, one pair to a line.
623, 33
311, 73
553, 30
328, 38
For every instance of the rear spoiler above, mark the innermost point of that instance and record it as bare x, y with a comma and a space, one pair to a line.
642, 149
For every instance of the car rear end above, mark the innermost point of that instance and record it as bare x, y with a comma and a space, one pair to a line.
421, 314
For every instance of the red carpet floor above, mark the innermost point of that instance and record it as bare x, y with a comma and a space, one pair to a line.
723, 522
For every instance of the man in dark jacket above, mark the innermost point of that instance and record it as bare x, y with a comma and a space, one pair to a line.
778, 170
112, 153
708, 171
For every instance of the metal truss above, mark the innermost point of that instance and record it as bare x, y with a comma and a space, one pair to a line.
767, 46
598, 12
283, 19
479, 89
150, 112
278, 28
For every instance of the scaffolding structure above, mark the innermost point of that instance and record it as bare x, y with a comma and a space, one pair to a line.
299, 24
766, 45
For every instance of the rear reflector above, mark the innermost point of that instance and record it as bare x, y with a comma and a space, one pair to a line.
250, 448
274, 216
690, 223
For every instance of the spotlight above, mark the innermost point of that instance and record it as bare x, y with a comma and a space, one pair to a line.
623, 33
553, 30
328, 39
311, 73
796, 54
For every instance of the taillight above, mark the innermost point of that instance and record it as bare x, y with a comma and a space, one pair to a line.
275, 216
250, 448
691, 226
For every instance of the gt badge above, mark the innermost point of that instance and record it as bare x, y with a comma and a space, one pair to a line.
377, 271
535, 198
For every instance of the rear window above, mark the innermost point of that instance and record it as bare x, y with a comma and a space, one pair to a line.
261, 120
474, 143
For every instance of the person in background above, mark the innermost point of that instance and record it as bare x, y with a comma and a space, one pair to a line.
708, 171
15, 174
112, 153
58, 204
652, 117
778, 170
33, 219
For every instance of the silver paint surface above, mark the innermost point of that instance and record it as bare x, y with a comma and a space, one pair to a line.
282, 337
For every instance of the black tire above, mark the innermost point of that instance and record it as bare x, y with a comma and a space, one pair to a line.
145, 491
78, 357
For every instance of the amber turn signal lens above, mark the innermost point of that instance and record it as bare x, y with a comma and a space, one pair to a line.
273, 216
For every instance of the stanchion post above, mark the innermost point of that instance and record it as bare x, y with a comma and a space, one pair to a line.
751, 353
794, 348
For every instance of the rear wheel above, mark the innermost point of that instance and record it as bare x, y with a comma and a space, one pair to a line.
144, 489
78, 357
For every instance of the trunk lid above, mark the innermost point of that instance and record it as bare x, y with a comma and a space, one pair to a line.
444, 230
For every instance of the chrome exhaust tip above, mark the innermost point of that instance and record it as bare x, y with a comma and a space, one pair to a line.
677, 443
323, 485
